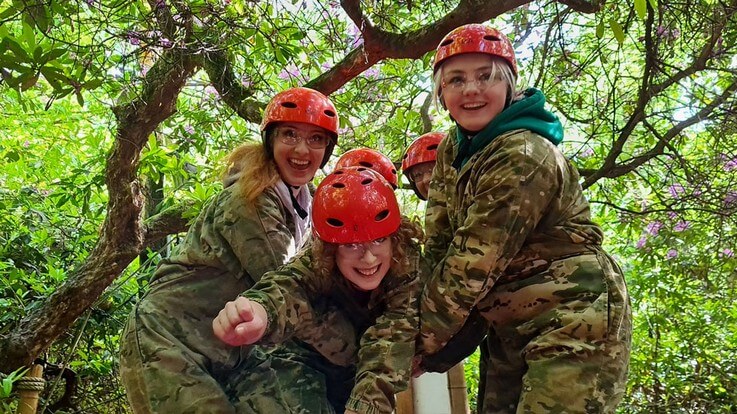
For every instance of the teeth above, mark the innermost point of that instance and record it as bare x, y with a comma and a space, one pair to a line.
368, 272
299, 162
473, 106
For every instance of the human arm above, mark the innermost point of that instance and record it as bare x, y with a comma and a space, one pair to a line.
251, 238
510, 185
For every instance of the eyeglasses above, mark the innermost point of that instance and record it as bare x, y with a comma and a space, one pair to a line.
417, 173
357, 250
458, 83
290, 136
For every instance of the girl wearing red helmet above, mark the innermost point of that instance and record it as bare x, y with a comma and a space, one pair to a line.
367, 157
511, 242
170, 360
419, 161
364, 262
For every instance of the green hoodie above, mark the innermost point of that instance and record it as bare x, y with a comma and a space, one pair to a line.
527, 113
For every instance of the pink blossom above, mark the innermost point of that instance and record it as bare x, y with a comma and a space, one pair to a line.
672, 215
727, 253
211, 91
189, 129
730, 198
730, 165
164, 42
671, 254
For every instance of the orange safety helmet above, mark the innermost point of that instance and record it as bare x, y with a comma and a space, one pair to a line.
301, 105
367, 157
423, 149
475, 38
354, 205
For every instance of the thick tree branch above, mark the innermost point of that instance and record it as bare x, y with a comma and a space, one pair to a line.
122, 234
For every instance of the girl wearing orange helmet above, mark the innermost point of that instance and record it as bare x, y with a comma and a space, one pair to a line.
419, 161
170, 360
510, 239
365, 263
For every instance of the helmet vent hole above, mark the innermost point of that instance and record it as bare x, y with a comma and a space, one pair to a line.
338, 185
382, 215
367, 181
329, 113
492, 38
289, 105
335, 222
432, 147
366, 164
447, 42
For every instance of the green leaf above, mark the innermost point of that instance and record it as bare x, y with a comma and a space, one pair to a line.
641, 8
80, 98
18, 50
52, 55
600, 30
617, 30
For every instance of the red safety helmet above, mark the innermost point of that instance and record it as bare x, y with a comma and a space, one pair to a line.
354, 205
475, 38
423, 149
367, 157
302, 105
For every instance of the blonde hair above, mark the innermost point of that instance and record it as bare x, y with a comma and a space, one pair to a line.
253, 169
500, 69
408, 234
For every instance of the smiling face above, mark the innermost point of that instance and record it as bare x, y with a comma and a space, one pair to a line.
471, 97
297, 161
365, 264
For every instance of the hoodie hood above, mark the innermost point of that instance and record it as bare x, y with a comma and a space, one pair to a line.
526, 113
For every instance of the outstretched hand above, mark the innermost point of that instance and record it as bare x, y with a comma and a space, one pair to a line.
240, 322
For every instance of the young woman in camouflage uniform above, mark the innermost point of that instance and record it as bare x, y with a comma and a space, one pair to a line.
365, 261
510, 238
170, 360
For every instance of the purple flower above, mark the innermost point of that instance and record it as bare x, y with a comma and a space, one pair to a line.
676, 190
653, 228
730, 165
730, 198
290, 71
681, 226
246, 81
164, 42
160, 4
371, 72
671, 254
189, 129
672, 215
134, 38
727, 253
641, 243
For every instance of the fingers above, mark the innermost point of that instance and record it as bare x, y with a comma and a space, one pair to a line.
236, 325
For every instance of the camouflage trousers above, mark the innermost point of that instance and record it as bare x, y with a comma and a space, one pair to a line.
559, 341
290, 378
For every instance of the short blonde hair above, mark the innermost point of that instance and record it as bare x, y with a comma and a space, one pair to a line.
499, 69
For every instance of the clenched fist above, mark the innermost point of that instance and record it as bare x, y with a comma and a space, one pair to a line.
240, 322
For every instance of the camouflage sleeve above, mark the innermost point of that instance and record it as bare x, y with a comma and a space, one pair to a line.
511, 185
437, 223
387, 347
286, 295
289, 296
251, 237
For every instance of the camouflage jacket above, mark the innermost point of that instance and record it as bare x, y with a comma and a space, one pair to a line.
510, 211
384, 323
243, 240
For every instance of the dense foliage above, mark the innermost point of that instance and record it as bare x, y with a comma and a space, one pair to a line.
646, 92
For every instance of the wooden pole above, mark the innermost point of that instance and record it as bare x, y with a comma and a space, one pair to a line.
406, 401
457, 390
28, 388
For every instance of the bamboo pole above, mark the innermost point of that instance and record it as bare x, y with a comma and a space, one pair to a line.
29, 388
457, 390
